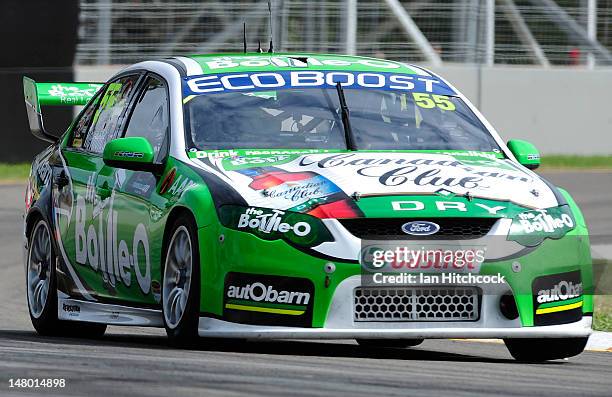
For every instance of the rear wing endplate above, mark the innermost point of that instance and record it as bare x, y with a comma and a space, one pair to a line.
53, 94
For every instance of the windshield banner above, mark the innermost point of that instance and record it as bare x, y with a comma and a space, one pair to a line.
266, 81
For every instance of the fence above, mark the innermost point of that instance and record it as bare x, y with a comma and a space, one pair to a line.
521, 32
501, 63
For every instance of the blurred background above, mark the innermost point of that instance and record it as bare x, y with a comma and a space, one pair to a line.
538, 69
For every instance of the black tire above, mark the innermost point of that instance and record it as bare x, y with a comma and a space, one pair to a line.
390, 343
47, 323
544, 349
185, 332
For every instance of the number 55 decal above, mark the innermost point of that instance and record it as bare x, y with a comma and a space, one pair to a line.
428, 101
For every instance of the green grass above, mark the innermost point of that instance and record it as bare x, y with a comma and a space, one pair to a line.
576, 162
602, 316
14, 172
602, 313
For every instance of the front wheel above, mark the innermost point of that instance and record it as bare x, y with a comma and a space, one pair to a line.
391, 343
181, 283
544, 349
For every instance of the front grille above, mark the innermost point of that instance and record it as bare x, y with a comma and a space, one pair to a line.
391, 228
416, 304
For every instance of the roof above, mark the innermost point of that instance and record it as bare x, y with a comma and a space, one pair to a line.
262, 62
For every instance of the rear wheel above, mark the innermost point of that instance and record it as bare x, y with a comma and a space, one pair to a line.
392, 343
544, 349
42, 292
181, 283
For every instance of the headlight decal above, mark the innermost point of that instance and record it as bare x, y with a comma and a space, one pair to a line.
530, 228
272, 224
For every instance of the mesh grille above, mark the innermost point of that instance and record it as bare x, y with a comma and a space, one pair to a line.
416, 304
391, 228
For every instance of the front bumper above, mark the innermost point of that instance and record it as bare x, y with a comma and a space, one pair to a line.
340, 324
333, 296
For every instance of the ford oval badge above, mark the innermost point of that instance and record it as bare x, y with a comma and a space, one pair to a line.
420, 228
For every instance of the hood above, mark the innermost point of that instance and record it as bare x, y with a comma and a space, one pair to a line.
304, 182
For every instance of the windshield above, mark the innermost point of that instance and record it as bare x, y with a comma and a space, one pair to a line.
311, 118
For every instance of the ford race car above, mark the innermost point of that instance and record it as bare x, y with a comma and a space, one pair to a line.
297, 196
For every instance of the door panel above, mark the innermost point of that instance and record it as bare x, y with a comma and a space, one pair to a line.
84, 210
137, 244
129, 261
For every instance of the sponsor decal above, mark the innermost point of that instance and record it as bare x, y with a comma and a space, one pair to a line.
212, 154
103, 251
307, 192
416, 205
310, 182
180, 184
43, 172
175, 184
275, 80
70, 94
258, 292
71, 310
253, 161
296, 61
317, 187
233, 154
268, 300
472, 153
420, 228
128, 154
530, 228
558, 298
438, 172
270, 224
141, 184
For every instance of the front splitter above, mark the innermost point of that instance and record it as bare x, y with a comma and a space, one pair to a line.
214, 328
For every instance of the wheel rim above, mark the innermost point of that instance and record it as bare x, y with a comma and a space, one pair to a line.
39, 269
177, 277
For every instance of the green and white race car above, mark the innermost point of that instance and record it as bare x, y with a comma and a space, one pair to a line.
297, 196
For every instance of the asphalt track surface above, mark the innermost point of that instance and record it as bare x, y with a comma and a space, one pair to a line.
137, 362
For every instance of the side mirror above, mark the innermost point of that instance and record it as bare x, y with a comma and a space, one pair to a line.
525, 152
133, 153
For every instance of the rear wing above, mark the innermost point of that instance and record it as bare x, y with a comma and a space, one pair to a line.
53, 94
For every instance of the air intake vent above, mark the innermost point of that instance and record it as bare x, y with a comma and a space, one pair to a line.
416, 304
391, 228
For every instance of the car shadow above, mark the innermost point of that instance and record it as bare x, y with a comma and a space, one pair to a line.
276, 347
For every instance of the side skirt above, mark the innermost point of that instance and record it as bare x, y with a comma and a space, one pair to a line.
94, 312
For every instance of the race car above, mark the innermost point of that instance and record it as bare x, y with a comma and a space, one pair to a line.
308, 196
